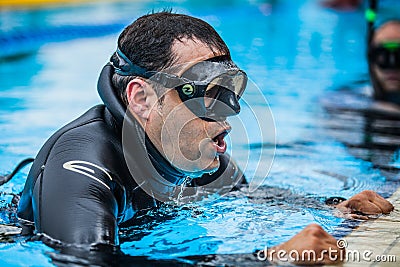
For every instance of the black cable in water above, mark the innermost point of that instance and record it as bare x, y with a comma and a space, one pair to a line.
5, 178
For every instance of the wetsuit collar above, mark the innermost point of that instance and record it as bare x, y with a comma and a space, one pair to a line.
108, 94
164, 168
117, 109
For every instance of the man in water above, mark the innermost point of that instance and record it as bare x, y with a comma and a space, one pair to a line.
167, 92
384, 62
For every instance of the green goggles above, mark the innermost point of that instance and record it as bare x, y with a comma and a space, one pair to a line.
385, 55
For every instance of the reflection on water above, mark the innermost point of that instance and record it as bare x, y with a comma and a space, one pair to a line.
370, 131
236, 223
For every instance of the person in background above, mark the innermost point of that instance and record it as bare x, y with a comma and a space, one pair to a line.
384, 62
167, 92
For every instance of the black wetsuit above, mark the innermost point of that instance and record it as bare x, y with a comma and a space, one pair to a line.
80, 187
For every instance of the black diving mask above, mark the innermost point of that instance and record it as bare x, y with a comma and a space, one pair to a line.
386, 55
211, 89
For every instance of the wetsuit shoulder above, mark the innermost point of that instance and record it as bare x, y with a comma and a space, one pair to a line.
73, 191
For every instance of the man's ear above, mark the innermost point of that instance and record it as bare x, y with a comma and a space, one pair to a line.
137, 94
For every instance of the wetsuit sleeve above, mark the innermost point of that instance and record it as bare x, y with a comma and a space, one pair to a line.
75, 198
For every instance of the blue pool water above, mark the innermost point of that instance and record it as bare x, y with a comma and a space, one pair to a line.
296, 52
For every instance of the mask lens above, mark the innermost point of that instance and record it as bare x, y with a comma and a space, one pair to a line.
217, 88
211, 94
233, 82
386, 58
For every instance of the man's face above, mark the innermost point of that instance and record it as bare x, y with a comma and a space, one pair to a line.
388, 78
190, 143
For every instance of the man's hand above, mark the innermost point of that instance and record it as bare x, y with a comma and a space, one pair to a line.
311, 246
363, 204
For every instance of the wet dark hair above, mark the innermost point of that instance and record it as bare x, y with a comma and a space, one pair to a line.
147, 42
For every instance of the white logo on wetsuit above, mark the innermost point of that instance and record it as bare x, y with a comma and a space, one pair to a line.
76, 166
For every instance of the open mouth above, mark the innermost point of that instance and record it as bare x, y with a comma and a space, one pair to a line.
220, 143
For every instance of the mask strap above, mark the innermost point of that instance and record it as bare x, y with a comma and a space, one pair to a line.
125, 67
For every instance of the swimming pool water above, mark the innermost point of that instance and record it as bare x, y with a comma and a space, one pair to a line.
295, 51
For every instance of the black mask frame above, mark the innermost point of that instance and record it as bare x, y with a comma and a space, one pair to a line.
211, 89
385, 55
